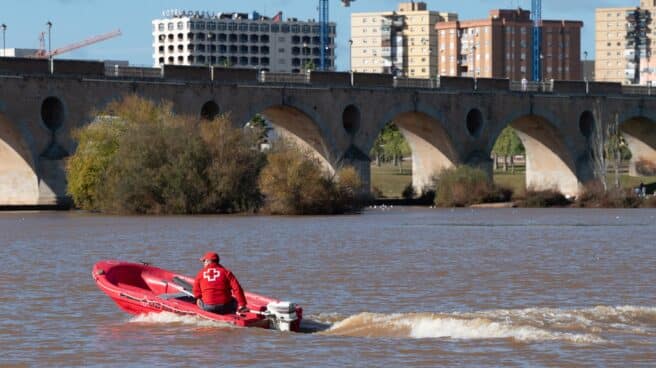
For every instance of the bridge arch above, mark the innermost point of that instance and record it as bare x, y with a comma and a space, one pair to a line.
549, 161
301, 127
432, 146
639, 131
19, 183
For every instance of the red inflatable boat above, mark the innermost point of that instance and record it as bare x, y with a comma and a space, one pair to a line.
139, 288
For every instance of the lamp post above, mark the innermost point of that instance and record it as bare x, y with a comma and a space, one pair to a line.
4, 46
350, 56
474, 61
585, 74
49, 24
541, 68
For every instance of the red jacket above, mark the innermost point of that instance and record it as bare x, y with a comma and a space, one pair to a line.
215, 284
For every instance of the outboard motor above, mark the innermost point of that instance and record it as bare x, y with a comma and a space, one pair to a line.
281, 315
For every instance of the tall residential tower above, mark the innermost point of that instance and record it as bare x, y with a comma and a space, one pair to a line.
623, 44
500, 47
398, 42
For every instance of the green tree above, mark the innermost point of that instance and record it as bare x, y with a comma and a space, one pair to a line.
87, 167
507, 146
309, 65
390, 146
261, 128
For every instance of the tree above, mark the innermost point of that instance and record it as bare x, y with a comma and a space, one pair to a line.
309, 66
390, 145
261, 127
606, 143
141, 158
507, 146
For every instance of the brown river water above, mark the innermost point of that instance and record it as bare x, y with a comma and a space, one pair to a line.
391, 287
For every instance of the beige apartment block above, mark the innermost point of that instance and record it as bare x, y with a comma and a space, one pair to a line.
501, 47
610, 43
401, 42
622, 50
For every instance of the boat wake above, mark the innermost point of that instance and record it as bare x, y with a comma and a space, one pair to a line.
179, 319
584, 326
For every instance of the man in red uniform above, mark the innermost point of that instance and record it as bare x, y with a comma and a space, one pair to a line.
215, 286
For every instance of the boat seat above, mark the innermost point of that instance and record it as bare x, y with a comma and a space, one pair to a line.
180, 282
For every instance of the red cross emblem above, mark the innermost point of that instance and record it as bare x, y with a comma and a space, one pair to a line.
211, 274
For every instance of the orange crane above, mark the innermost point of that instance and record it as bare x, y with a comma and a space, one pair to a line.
43, 54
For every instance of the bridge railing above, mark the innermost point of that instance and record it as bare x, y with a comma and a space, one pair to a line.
647, 90
531, 86
286, 78
132, 72
416, 83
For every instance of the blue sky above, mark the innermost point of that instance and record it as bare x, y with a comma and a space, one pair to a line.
75, 20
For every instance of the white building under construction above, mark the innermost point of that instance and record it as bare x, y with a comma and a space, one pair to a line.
236, 39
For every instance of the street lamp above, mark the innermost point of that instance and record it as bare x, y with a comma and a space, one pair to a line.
585, 74
474, 61
49, 24
4, 47
541, 68
350, 55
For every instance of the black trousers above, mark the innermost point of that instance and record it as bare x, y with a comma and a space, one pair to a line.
228, 308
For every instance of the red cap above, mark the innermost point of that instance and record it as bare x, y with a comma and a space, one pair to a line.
210, 256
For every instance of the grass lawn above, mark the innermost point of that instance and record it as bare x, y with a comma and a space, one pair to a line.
391, 181
516, 181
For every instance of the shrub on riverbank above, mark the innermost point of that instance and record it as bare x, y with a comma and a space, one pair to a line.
543, 198
594, 196
645, 167
464, 185
295, 184
140, 158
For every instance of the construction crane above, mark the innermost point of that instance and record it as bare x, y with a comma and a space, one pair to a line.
324, 21
536, 17
43, 54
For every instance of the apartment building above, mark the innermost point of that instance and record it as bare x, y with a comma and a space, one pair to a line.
623, 38
401, 42
237, 39
501, 47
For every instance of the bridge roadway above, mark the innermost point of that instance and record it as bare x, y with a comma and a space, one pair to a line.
337, 116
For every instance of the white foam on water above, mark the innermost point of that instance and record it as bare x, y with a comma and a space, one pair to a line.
481, 328
585, 326
173, 318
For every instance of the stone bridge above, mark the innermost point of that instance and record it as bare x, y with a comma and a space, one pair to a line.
338, 116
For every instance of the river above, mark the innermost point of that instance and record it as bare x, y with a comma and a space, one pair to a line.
391, 287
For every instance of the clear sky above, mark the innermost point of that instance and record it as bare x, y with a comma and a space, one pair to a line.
75, 20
